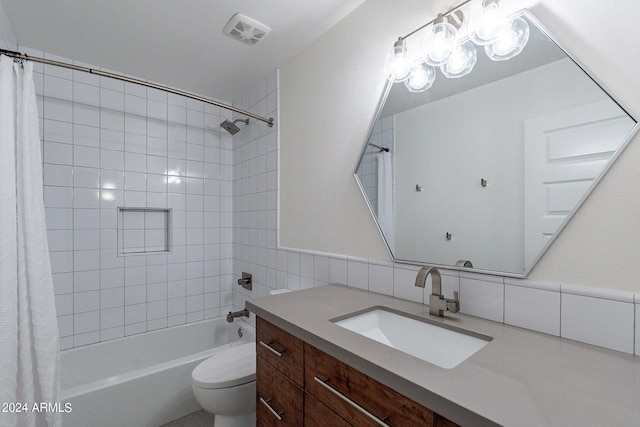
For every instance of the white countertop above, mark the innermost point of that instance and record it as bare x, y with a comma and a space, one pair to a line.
521, 378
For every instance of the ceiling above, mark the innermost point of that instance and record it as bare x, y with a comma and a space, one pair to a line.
175, 43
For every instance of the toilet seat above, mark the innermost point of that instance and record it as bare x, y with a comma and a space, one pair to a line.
231, 367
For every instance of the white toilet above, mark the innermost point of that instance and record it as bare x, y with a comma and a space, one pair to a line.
225, 385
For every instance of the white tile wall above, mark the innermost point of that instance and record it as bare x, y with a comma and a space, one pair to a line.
109, 144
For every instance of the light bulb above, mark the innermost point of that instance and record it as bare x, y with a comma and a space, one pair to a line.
489, 24
397, 62
440, 41
461, 61
509, 41
421, 78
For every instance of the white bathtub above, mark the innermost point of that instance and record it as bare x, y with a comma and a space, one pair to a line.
142, 380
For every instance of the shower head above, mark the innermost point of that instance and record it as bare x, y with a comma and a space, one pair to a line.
231, 127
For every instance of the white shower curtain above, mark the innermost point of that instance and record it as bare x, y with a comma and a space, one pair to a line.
385, 197
29, 357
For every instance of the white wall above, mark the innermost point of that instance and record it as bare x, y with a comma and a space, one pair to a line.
329, 94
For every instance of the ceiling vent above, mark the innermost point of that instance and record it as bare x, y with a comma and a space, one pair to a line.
245, 29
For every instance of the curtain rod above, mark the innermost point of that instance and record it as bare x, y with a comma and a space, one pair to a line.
26, 57
385, 149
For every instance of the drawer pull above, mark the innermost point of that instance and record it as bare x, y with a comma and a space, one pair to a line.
271, 349
278, 415
351, 402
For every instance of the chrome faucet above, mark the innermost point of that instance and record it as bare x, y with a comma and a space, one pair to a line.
437, 302
235, 314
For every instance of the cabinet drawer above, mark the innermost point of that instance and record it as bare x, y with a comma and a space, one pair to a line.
345, 390
317, 414
279, 401
280, 349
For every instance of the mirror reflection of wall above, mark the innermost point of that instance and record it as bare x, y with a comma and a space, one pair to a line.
537, 130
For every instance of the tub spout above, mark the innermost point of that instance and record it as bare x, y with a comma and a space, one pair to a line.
235, 314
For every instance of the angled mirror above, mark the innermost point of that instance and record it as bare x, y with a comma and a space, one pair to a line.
487, 169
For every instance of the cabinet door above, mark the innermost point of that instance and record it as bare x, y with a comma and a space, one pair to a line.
280, 349
359, 399
279, 401
317, 414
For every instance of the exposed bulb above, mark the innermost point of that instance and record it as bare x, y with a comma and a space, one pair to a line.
461, 61
440, 42
397, 62
489, 24
421, 78
510, 41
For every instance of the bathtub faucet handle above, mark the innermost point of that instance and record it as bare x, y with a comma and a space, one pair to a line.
246, 281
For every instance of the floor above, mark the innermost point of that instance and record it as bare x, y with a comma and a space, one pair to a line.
199, 418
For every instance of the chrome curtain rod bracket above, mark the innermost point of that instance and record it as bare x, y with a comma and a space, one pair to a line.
25, 57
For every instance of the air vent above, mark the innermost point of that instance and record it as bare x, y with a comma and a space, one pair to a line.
245, 29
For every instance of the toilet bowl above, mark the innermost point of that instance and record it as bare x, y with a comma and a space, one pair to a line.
225, 385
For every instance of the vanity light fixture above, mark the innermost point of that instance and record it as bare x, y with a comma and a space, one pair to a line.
445, 45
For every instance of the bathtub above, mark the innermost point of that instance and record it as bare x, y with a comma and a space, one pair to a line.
142, 380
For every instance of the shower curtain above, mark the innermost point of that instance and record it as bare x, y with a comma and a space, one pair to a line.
385, 197
29, 357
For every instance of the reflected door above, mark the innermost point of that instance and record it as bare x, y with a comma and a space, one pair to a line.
564, 153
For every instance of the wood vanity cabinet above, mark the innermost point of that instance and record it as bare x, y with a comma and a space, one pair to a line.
279, 376
302, 385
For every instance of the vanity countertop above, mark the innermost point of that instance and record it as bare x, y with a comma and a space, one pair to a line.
521, 378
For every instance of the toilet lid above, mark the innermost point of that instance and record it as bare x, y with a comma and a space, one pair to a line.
228, 368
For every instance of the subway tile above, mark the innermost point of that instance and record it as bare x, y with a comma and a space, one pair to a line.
134, 143
358, 274
59, 218
86, 156
62, 283
61, 262
601, 322
135, 295
58, 153
87, 136
86, 115
86, 322
64, 304
111, 99
404, 284
86, 301
112, 298
84, 260
135, 314
58, 175
58, 88
535, 309
381, 279
112, 120
86, 177
86, 94
482, 298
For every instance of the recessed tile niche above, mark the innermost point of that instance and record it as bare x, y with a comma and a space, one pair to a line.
143, 231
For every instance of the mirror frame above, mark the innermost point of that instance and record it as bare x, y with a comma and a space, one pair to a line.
527, 268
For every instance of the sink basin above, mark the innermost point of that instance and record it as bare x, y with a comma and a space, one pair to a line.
441, 344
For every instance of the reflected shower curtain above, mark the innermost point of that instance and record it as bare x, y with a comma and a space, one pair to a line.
385, 197
29, 357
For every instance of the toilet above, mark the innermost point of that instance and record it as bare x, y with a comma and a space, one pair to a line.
225, 385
